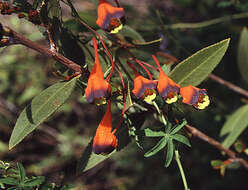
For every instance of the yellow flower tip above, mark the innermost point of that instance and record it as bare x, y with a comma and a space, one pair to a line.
150, 98
149, 95
100, 101
204, 103
171, 100
117, 29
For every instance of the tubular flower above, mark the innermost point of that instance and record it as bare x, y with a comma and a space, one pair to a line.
167, 88
195, 96
98, 89
144, 88
109, 17
105, 141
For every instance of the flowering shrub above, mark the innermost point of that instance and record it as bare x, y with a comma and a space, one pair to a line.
105, 65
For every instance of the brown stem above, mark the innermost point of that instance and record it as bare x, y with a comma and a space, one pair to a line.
45, 51
195, 132
229, 85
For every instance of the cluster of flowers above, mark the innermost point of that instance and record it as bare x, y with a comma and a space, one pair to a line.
98, 90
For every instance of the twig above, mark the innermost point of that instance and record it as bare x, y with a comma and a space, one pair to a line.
206, 23
229, 85
195, 132
19, 39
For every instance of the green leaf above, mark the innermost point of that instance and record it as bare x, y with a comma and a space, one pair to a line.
150, 133
239, 146
216, 163
170, 153
129, 102
178, 127
224, 4
222, 170
161, 144
89, 159
9, 181
235, 125
21, 171
242, 54
181, 139
131, 33
196, 68
36, 3
34, 182
41, 107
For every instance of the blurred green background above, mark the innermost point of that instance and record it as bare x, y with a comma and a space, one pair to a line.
54, 149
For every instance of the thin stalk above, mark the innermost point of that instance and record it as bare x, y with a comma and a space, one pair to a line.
160, 113
181, 170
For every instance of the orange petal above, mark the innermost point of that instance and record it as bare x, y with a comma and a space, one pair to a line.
104, 141
141, 84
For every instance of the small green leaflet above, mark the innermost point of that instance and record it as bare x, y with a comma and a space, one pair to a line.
167, 139
131, 33
21, 172
170, 153
161, 144
41, 107
242, 54
196, 68
235, 125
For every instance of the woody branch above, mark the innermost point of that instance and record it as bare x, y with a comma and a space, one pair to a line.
16, 38
195, 132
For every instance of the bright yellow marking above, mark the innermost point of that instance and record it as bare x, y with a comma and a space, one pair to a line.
100, 101
171, 100
116, 30
150, 98
204, 104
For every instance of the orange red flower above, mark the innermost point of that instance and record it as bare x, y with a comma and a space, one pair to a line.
166, 87
98, 89
195, 96
144, 88
105, 141
109, 17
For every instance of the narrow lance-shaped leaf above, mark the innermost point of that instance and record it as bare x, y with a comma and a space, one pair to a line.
178, 127
89, 159
170, 153
35, 181
181, 138
131, 33
196, 68
21, 171
41, 107
235, 125
150, 133
243, 55
9, 181
161, 144
129, 102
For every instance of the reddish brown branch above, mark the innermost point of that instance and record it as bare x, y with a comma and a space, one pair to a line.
195, 132
229, 85
19, 39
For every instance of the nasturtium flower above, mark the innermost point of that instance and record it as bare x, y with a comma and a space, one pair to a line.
109, 18
144, 88
195, 96
166, 87
98, 90
105, 141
